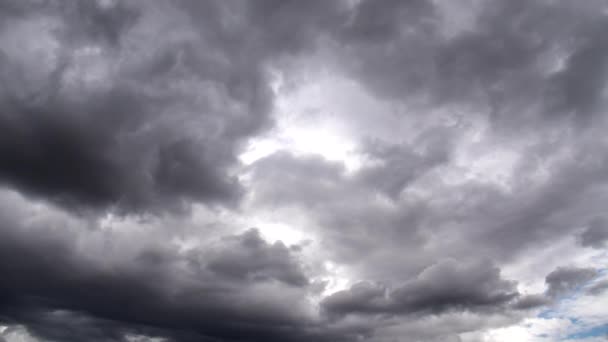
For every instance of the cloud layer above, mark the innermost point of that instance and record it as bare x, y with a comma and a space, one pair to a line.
411, 171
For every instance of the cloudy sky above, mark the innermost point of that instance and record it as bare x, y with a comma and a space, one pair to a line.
303, 170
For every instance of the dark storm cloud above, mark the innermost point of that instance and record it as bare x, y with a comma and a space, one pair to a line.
144, 106
137, 105
106, 146
240, 288
566, 279
447, 285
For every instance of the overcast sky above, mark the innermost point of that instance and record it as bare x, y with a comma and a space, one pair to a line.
303, 170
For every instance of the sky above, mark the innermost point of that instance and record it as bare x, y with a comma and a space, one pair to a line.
295, 171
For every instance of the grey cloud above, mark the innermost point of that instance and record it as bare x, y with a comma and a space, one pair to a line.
447, 285
598, 288
103, 143
248, 256
364, 297
50, 326
381, 38
497, 59
357, 228
451, 326
161, 292
530, 214
596, 234
137, 106
307, 181
531, 301
578, 87
401, 164
566, 279
363, 231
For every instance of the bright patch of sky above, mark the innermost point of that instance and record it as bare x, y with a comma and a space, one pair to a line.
308, 122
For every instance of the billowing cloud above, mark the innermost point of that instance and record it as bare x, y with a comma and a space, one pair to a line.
383, 171
134, 105
239, 286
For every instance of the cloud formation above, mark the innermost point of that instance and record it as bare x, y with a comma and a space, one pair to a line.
383, 171
566, 279
129, 104
240, 286
446, 285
